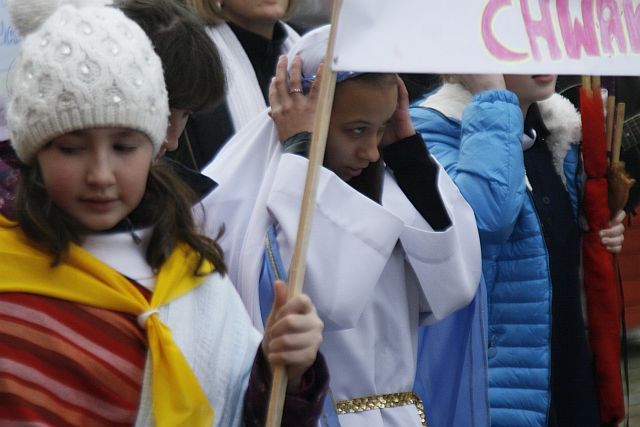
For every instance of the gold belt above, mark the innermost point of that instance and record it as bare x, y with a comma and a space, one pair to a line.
382, 401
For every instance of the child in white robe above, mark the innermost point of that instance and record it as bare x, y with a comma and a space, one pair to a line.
393, 243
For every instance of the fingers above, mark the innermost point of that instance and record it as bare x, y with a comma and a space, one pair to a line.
613, 237
403, 95
280, 298
291, 111
314, 92
294, 331
295, 76
279, 82
618, 218
400, 126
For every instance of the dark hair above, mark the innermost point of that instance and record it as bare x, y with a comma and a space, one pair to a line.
166, 206
193, 70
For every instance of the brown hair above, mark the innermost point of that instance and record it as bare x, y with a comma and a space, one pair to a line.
213, 15
193, 70
166, 206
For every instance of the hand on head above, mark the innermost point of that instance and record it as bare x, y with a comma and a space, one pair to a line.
400, 125
292, 335
477, 83
291, 110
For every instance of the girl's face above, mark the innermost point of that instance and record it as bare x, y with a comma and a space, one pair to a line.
255, 15
531, 88
97, 176
361, 112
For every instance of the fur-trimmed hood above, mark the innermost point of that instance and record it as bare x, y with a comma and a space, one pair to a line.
558, 114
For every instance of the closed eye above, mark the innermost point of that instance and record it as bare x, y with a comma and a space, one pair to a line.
125, 148
70, 149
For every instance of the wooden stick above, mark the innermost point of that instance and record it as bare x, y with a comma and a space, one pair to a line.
617, 136
316, 156
586, 84
611, 108
595, 82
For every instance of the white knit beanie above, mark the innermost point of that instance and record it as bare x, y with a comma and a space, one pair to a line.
82, 65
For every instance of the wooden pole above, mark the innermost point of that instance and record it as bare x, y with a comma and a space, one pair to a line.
586, 84
617, 135
611, 108
316, 156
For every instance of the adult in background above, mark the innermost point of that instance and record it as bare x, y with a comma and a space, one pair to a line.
250, 36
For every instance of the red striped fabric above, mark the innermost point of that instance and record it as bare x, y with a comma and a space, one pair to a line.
66, 364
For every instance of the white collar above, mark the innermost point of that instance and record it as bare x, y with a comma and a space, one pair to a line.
120, 252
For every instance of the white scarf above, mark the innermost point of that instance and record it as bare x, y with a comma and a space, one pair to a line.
244, 96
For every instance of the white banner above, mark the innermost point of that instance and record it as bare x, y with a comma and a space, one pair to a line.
597, 37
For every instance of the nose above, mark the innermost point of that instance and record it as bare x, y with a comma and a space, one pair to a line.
99, 170
369, 150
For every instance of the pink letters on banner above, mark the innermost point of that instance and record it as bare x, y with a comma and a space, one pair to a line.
610, 26
578, 34
542, 28
567, 35
495, 47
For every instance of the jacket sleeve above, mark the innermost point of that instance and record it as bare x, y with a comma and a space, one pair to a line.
483, 156
417, 175
301, 409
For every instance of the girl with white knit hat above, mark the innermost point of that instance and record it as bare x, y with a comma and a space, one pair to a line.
106, 328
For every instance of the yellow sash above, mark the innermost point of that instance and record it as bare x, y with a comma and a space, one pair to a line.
178, 398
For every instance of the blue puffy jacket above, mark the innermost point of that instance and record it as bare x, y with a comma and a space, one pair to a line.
478, 142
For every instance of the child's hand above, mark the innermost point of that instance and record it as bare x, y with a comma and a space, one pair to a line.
292, 335
400, 126
291, 110
612, 237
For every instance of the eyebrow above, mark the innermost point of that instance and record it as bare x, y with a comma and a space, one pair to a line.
119, 133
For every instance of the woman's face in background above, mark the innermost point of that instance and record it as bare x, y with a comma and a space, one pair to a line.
256, 16
531, 88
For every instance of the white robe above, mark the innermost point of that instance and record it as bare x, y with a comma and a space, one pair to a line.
209, 325
374, 272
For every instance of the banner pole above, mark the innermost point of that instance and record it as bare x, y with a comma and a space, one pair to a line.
316, 157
